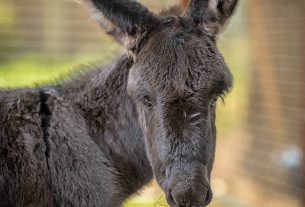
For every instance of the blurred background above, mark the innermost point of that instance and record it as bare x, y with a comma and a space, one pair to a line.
261, 126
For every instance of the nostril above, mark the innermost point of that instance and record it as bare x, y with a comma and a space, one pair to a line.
208, 197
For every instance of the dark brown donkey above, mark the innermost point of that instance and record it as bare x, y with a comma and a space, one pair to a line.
100, 138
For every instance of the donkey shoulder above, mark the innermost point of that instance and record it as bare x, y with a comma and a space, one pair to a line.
23, 170
45, 143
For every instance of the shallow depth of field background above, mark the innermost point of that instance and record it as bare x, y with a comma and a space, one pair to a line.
261, 125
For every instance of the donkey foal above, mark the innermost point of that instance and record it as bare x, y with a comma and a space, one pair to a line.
97, 140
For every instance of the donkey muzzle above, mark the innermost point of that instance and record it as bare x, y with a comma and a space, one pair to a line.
181, 197
189, 190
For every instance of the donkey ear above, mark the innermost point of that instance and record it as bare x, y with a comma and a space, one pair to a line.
127, 21
212, 15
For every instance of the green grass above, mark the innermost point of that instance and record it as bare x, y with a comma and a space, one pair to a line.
145, 201
231, 114
30, 72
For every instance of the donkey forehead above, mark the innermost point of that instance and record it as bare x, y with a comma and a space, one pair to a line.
179, 58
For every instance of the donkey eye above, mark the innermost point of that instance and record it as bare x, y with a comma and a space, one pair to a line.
214, 101
147, 101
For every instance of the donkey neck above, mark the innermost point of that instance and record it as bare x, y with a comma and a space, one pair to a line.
112, 122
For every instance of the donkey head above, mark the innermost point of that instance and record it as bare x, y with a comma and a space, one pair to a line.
177, 76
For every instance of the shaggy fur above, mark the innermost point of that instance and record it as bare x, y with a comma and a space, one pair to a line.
100, 138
